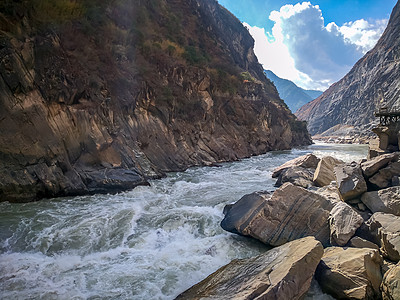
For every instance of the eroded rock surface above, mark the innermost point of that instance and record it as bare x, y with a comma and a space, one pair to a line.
385, 230
350, 181
284, 272
289, 214
385, 200
343, 223
350, 273
324, 174
308, 161
391, 284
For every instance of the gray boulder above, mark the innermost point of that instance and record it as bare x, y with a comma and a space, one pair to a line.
297, 175
370, 167
306, 161
284, 272
343, 223
324, 174
350, 181
289, 214
385, 231
386, 176
357, 242
386, 200
350, 273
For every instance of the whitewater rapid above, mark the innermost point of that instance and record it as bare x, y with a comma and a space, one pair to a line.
149, 243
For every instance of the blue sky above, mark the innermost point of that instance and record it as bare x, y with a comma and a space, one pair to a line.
313, 43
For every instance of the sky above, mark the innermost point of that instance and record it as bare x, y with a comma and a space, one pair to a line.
312, 43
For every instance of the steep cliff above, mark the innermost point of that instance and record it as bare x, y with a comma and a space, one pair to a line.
353, 100
99, 96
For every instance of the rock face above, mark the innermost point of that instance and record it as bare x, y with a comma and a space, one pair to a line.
358, 242
284, 272
308, 161
391, 284
386, 200
385, 230
99, 97
353, 100
324, 174
343, 223
350, 273
289, 214
350, 181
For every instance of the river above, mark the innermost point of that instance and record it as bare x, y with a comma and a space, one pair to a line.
148, 243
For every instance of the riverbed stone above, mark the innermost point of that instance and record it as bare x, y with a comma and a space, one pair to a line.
385, 200
343, 223
290, 213
391, 284
297, 175
370, 167
384, 229
350, 273
305, 161
284, 272
350, 181
324, 174
357, 242
383, 178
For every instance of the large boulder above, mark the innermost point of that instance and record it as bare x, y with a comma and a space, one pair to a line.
289, 214
391, 284
284, 272
350, 273
385, 176
386, 200
357, 242
297, 175
306, 161
350, 181
385, 231
324, 174
343, 223
370, 167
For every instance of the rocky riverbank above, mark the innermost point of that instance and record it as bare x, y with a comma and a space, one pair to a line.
335, 226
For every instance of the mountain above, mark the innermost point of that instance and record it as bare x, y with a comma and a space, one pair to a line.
353, 100
99, 96
294, 96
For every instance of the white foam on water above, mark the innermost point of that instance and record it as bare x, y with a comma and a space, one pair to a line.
149, 243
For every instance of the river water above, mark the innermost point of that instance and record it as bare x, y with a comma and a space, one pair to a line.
149, 243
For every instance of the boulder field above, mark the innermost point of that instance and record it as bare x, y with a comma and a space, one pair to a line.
335, 231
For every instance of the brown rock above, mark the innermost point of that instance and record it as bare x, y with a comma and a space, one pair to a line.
291, 213
350, 181
297, 175
305, 161
372, 166
385, 230
324, 174
383, 178
284, 272
357, 242
391, 284
350, 273
386, 200
343, 223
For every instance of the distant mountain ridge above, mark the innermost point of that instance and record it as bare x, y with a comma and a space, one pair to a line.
293, 95
353, 99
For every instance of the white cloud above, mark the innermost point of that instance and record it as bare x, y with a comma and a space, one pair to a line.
301, 48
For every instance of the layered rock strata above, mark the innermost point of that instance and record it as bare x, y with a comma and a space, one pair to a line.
99, 97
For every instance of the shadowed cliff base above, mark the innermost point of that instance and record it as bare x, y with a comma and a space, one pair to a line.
98, 97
